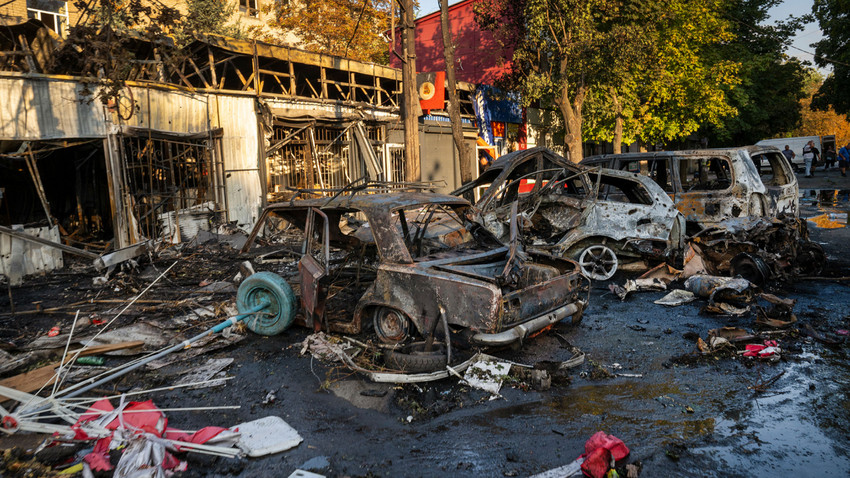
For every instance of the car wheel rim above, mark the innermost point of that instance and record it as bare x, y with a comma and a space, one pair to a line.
391, 325
598, 262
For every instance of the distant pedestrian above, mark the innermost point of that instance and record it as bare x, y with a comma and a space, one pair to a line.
828, 158
789, 154
810, 157
844, 159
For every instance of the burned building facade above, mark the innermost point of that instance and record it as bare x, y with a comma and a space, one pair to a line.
195, 138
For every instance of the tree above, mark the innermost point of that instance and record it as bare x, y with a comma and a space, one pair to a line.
100, 48
772, 85
349, 28
464, 154
210, 16
819, 122
641, 67
834, 20
670, 83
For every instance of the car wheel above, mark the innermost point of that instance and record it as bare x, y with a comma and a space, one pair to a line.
391, 325
414, 359
271, 288
598, 262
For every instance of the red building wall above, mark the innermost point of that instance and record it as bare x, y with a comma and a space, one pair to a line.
479, 59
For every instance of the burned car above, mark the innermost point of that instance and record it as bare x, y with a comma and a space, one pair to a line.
376, 250
599, 217
708, 186
777, 175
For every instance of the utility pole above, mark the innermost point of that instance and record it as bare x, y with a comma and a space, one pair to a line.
464, 154
410, 96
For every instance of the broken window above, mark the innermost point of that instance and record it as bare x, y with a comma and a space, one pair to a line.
249, 7
705, 174
53, 13
172, 181
427, 230
612, 188
322, 157
656, 169
772, 167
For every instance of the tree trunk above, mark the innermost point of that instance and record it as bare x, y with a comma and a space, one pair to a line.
464, 154
571, 112
618, 122
410, 96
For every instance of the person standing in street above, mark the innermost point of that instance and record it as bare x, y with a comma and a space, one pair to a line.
828, 158
810, 157
789, 154
844, 159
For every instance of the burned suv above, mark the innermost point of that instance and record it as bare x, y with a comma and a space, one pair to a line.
392, 256
711, 185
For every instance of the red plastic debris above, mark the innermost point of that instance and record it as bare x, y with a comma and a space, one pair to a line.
597, 463
53, 332
601, 451
600, 439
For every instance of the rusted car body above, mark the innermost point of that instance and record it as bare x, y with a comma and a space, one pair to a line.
598, 216
707, 186
489, 293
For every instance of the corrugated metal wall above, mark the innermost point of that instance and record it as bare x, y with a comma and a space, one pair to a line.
44, 109
33, 109
183, 112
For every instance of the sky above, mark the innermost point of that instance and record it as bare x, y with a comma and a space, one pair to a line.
808, 35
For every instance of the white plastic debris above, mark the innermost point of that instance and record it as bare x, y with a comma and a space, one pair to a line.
305, 474
677, 297
487, 376
266, 436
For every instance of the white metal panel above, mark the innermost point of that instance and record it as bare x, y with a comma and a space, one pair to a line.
238, 117
42, 108
19, 258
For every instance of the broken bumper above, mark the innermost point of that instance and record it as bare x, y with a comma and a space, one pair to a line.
525, 329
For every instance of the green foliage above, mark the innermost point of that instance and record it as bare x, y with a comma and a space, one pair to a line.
833, 16
648, 63
210, 17
768, 97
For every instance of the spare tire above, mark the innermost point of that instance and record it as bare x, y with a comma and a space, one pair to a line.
413, 358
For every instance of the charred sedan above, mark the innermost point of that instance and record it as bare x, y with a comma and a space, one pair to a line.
417, 277
600, 217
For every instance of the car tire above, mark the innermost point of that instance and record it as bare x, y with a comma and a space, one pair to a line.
413, 358
267, 286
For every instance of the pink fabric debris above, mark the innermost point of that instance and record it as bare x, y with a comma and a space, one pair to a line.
770, 347
199, 437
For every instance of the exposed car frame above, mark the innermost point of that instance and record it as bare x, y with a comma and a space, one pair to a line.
488, 293
600, 217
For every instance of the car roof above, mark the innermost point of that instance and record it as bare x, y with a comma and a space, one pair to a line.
516, 156
372, 203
